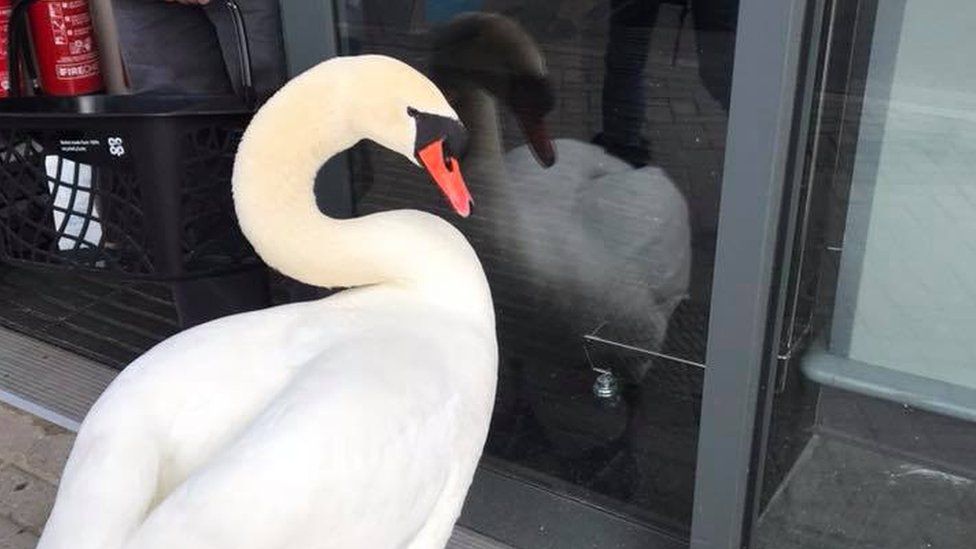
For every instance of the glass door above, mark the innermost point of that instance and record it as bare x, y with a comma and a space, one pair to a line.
628, 197
598, 136
867, 430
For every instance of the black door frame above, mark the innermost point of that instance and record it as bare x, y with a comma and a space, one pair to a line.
772, 98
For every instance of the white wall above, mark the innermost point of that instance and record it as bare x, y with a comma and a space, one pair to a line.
935, 67
907, 294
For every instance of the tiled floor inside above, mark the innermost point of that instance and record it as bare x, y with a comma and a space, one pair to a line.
843, 496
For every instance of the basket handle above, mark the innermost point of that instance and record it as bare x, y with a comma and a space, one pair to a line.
243, 53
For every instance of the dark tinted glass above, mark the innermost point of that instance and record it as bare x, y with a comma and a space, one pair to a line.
600, 265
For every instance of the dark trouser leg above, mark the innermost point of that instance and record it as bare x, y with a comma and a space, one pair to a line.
169, 48
715, 24
631, 23
262, 22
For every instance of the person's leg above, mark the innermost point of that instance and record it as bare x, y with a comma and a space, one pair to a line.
169, 48
631, 24
262, 23
715, 24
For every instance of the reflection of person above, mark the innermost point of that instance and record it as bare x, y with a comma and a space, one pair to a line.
191, 48
631, 23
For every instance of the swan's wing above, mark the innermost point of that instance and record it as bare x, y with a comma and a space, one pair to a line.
112, 475
640, 219
355, 452
577, 164
108, 482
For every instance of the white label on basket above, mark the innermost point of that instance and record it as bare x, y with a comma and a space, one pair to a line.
77, 145
73, 203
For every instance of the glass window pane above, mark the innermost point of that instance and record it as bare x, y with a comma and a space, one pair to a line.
601, 264
873, 422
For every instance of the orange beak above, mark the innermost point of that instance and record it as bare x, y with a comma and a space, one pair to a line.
447, 174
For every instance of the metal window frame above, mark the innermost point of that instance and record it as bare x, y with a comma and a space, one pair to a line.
742, 340
744, 325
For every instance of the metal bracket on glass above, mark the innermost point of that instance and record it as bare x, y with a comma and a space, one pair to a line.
787, 353
608, 382
798, 333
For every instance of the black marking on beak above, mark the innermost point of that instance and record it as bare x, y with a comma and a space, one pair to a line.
432, 127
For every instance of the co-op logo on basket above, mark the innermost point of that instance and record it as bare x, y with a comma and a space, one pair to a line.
115, 146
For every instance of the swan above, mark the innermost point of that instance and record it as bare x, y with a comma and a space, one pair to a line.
351, 422
596, 242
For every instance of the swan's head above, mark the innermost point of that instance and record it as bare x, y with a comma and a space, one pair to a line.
493, 52
394, 105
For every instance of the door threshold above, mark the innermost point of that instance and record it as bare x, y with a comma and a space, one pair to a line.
49, 382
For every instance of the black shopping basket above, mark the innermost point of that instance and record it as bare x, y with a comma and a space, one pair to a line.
136, 186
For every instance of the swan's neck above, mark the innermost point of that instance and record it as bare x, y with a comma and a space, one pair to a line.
288, 140
479, 112
484, 163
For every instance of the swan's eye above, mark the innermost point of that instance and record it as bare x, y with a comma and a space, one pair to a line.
448, 156
434, 127
457, 140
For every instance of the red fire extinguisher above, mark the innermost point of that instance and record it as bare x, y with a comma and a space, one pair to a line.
63, 38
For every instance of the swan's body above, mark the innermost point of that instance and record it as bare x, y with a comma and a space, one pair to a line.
351, 422
597, 241
606, 243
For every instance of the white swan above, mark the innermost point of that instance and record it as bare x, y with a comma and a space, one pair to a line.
595, 240
351, 422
